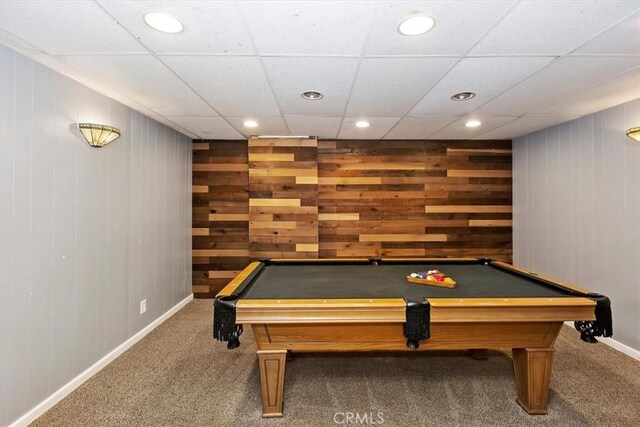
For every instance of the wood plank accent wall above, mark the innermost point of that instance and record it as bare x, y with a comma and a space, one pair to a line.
415, 198
289, 198
220, 214
283, 198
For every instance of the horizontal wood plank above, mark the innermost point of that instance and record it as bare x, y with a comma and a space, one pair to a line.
229, 217
271, 157
306, 247
307, 179
403, 237
479, 173
285, 142
355, 216
274, 202
468, 209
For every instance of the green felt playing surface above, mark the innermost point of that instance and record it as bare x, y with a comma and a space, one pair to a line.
307, 281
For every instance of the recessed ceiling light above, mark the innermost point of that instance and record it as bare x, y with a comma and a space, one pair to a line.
473, 123
362, 124
416, 25
312, 95
163, 22
463, 96
250, 123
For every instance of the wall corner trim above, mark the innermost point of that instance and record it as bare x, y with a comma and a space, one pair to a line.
76, 382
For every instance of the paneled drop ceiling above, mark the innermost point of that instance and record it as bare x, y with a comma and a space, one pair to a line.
533, 64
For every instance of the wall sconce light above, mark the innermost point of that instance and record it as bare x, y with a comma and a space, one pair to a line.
634, 133
98, 135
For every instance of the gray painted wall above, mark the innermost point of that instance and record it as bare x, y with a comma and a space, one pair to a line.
85, 233
577, 209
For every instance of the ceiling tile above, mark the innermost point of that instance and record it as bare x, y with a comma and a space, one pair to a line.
458, 26
487, 77
322, 127
290, 77
234, 85
621, 39
209, 26
559, 80
173, 125
458, 130
379, 127
66, 27
523, 126
266, 125
392, 86
207, 127
419, 127
551, 27
144, 79
616, 91
308, 27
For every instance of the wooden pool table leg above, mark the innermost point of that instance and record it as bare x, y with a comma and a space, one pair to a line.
532, 367
272, 364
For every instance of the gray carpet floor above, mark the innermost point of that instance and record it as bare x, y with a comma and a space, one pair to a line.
178, 376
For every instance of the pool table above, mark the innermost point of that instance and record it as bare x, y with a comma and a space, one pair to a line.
367, 305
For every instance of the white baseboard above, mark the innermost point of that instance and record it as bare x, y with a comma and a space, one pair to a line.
622, 348
50, 401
